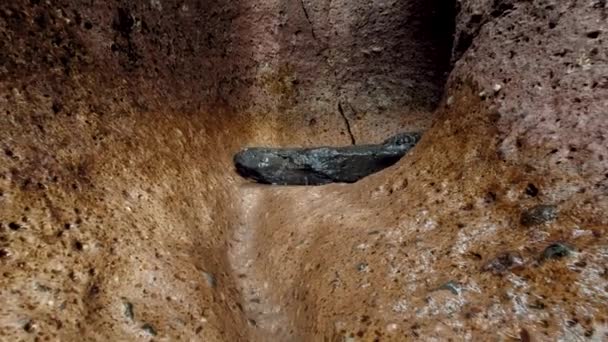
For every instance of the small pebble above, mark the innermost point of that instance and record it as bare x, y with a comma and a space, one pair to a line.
504, 262
392, 327
538, 215
556, 251
452, 286
450, 101
537, 305
128, 310
531, 190
148, 328
29, 326
211, 281
362, 267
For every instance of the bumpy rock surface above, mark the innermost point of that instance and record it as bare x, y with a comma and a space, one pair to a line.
321, 165
121, 218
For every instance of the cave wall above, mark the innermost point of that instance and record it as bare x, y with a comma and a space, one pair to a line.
109, 144
136, 44
290, 62
549, 58
370, 62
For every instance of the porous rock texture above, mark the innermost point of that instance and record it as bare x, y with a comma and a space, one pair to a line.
121, 217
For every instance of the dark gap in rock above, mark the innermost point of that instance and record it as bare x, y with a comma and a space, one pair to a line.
442, 34
56, 107
531, 190
124, 22
28, 327
347, 124
78, 245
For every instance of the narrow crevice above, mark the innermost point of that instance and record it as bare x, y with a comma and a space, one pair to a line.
347, 124
475, 25
312, 28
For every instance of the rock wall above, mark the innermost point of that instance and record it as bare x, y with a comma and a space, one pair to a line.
121, 217
365, 62
114, 190
548, 60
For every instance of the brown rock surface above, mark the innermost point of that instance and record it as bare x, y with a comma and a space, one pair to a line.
121, 217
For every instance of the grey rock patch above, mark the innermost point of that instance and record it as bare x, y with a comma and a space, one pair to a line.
538, 215
504, 262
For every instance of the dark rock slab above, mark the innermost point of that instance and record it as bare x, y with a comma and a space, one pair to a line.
321, 165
